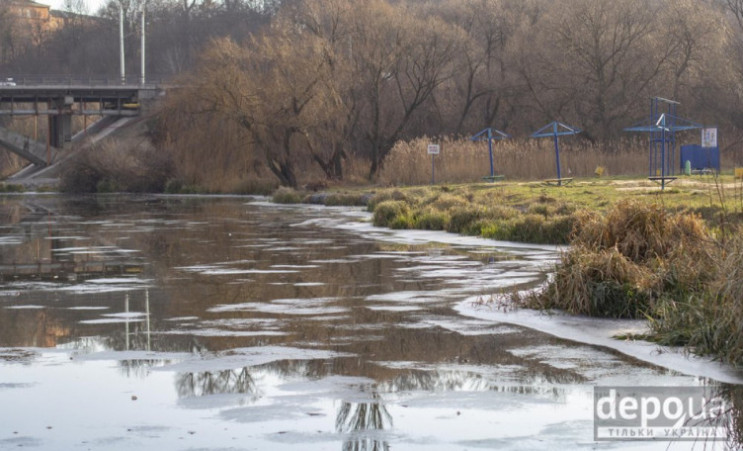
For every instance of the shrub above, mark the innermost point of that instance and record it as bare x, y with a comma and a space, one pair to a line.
463, 220
345, 199
446, 201
603, 283
432, 219
116, 166
391, 213
385, 196
621, 265
285, 195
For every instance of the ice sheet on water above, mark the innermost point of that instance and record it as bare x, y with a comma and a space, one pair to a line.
295, 266
334, 260
119, 280
25, 307
120, 356
278, 305
216, 270
309, 284
90, 287
235, 262
242, 323
601, 332
10, 240
126, 315
427, 236
327, 318
210, 332
400, 296
393, 308
112, 320
376, 256
16, 286
471, 328
254, 356
88, 307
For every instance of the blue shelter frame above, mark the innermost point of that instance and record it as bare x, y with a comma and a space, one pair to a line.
489, 134
662, 127
553, 130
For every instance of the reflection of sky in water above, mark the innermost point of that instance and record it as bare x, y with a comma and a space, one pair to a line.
141, 333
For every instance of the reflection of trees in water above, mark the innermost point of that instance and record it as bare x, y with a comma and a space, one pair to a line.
357, 418
440, 381
140, 367
733, 420
205, 383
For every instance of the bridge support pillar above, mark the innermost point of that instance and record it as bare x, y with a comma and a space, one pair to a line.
60, 130
60, 124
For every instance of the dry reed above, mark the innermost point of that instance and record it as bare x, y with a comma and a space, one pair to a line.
462, 160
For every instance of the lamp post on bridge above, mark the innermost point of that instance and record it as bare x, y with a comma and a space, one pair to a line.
121, 43
142, 81
122, 60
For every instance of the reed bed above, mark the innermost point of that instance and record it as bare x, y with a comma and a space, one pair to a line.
462, 160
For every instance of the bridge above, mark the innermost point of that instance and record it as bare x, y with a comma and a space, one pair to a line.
61, 98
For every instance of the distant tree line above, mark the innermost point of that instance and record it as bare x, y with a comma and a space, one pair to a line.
88, 44
286, 87
330, 79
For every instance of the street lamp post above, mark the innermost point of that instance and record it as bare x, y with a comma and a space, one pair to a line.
121, 43
143, 46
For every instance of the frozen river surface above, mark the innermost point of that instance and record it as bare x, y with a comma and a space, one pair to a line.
230, 324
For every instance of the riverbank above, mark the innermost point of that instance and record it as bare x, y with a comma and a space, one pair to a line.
671, 257
531, 212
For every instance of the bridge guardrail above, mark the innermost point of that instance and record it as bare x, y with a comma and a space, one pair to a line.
72, 80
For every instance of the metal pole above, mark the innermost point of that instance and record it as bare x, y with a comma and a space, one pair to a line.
652, 146
490, 150
143, 46
433, 169
663, 156
121, 44
557, 157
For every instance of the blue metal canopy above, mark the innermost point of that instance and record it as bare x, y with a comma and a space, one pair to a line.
662, 125
667, 121
489, 134
553, 130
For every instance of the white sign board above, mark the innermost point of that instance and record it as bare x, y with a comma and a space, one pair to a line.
709, 137
434, 149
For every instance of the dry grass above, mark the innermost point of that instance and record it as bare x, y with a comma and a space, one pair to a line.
708, 319
624, 263
116, 166
462, 160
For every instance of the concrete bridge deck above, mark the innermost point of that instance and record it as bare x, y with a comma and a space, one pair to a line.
59, 98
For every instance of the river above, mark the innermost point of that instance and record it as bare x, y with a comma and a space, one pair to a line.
145, 322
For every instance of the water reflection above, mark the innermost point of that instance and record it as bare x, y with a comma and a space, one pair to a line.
139, 276
207, 383
357, 419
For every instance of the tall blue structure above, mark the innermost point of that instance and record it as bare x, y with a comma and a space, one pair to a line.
490, 134
662, 125
553, 130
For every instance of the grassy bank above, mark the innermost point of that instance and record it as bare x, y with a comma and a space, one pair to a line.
673, 257
531, 211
